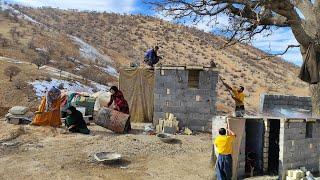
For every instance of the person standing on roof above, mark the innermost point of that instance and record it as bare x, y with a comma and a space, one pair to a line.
238, 97
223, 143
151, 56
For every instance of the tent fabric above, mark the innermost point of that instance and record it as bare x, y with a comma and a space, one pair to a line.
238, 127
137, 86
51, 118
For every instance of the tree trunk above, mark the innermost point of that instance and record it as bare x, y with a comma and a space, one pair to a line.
10, 78
315, 97
315, 94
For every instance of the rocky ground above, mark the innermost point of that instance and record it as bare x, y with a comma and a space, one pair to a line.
29, 152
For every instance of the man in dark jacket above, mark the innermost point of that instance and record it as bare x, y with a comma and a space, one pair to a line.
151, 56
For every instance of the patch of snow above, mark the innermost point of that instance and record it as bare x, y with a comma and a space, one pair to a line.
88, 51
100, 87
20, 15
10, 60
42, 86
111, 70
56, 72
40, 49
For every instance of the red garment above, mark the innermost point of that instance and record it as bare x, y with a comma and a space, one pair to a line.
120, 103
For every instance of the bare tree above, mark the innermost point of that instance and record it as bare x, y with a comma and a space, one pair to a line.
42, 59
38, 62
248, 18
11, 71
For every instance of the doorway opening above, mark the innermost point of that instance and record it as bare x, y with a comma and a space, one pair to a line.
273, 157
254, 147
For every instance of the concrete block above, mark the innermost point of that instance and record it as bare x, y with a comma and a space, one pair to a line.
198, 128
15, 121
169, 130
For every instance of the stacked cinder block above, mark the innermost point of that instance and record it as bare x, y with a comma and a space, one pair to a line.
193, 107
271, 104
297, 150
266, 145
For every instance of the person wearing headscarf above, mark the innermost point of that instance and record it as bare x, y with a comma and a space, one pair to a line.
48, 113
118, 99
52, 95
75, 121
120, 104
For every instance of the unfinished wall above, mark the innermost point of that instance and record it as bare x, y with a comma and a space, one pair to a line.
193, 107
298, 147
285, 106
297, 150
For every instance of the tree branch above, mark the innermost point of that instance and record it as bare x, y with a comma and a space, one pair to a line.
280, 54
306, 8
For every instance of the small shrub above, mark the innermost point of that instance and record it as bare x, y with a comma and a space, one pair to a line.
48, 78
11, 71
20, 84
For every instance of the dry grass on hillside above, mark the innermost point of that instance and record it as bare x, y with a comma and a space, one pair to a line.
127, 37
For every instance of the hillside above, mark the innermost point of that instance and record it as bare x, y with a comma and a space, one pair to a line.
125, 38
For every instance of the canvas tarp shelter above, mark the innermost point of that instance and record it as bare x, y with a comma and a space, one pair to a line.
137, 85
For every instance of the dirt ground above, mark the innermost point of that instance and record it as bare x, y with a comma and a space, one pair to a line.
29, 152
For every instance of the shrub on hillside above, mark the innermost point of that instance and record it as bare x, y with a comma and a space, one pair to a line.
20, 84
11, 71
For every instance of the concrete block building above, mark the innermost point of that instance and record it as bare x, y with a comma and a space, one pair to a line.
187, 92
285, 106
279, 144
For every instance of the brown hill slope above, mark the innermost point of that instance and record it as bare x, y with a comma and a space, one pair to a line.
125, 38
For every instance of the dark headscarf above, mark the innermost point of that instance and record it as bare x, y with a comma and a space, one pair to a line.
72, 109
114, 88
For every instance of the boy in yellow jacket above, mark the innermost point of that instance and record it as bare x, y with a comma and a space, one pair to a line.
223, 143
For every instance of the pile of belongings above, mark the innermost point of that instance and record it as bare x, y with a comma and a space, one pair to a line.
168, 125
86, 102
83, 100
112, 120
299, 174
102, 99
19, 115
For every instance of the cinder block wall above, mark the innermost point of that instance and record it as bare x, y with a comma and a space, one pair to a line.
297, 150
270, 104
193, 107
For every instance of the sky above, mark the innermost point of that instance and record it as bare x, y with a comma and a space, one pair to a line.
275, 43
